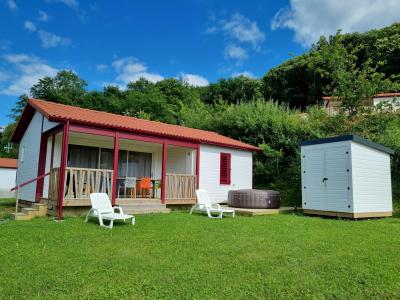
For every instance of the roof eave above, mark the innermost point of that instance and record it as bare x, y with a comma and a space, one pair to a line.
60, 119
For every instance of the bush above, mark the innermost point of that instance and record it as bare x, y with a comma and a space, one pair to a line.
278, 131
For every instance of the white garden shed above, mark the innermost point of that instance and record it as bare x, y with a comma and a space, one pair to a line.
346, 176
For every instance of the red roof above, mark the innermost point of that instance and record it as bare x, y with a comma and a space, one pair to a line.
9, 163
386, 95
60, 112
327, 98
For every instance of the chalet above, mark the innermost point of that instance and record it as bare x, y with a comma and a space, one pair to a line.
68, 152
391, 100
8, 169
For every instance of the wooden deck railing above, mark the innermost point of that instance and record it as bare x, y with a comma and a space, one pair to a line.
180, 186
80, 182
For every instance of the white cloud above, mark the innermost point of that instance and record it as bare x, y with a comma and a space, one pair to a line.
12, 5
130, 69
235, 52
194, 80
52, 40
43, 16
244, 73
101, 67
309, 19
17, 58
28, 25
26, 70
240, 29
70, 3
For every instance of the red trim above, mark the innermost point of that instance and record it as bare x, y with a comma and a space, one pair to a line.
41, 167
130, 136
92, 130
198, 166
41, 164
157, 140
63, 164
23, 123
53, 139
163, 171
115, 167
29, 181
54, 130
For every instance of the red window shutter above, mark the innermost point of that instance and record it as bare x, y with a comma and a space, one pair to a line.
225, 168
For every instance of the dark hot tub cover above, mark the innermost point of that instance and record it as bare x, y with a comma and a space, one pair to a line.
254, 199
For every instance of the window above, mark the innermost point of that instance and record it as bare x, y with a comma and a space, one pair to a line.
225, 168
90, 157
134, 164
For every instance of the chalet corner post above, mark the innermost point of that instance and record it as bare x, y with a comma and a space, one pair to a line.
115, 168
164, 171
63, 164
198, 166
41, 167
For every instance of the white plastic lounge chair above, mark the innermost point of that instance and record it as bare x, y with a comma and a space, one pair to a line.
102, 209
204, 204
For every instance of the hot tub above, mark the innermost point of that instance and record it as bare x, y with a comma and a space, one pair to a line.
254, 199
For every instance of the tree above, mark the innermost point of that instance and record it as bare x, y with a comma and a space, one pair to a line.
8, 149
232, 91
66, 87
348, 81
19, 107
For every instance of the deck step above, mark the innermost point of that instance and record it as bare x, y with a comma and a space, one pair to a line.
155, 206
21, 216
144, 211
40, 207
137, 201
28, 213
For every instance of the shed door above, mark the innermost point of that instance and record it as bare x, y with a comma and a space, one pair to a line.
313, 186
337, 174
326, 179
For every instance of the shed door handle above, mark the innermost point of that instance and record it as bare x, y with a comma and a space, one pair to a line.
325, 179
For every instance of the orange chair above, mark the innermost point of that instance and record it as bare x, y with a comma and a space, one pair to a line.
145, 186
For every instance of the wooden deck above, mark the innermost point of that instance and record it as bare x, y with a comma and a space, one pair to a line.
260, 211
347, 215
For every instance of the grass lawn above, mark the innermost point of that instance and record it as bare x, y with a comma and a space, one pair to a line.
182, 256
7, 206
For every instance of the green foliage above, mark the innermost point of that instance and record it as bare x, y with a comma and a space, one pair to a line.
19, 107
232, 91
350, 66
66, 87
182, 256
8, 149
277, 129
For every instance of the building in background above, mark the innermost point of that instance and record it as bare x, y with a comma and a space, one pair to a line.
389, 101
8, 171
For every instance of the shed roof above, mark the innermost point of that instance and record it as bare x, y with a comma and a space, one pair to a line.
351, 137
61, 113
9, 163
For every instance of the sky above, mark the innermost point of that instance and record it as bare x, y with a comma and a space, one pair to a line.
116, 42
